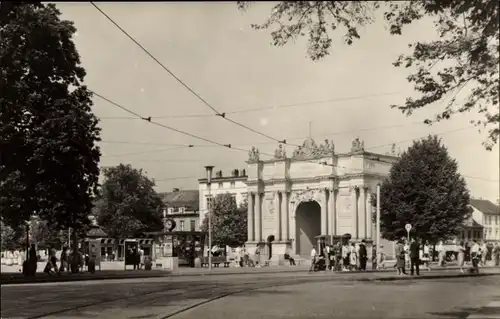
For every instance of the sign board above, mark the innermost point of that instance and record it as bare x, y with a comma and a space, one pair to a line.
130, 247
95, 251
408, 229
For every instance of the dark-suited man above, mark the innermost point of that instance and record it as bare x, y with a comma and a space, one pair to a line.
363, 255
414, 256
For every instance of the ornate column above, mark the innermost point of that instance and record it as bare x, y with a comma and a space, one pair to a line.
369, 214
250, 217
292, 230
362, 213
332, 211
258, 217
277, 219
285, 222
324, 212
354, 210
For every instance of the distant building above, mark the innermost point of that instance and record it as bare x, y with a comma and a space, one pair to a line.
472, 231
183, 207
234, 184
487, 214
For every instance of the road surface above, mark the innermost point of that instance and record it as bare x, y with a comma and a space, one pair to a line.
252, 296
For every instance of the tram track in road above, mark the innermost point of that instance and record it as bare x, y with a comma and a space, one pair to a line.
171, 299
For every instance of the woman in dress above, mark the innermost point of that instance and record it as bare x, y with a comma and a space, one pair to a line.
353, 257
461, 256
400, 258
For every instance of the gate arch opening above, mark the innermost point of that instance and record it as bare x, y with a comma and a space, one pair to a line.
308, 226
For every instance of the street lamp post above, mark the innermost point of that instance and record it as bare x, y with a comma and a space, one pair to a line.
209, 170
378, 218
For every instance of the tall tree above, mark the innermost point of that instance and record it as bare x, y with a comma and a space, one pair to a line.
48, 133
128, 205
229, 222
8, 237
425, 190
464, 59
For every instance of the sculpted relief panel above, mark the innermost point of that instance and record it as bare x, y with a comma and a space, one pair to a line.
308, 195
269, 215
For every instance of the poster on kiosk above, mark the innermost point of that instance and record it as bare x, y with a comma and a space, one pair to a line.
131, 248
95, 251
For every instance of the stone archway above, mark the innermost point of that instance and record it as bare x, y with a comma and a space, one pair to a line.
308, 226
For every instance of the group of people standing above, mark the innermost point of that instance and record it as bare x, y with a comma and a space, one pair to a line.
348, 256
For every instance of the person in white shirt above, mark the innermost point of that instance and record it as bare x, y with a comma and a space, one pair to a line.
474, 254
484, 252
314, 255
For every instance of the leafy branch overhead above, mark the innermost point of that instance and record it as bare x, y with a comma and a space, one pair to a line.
464, 60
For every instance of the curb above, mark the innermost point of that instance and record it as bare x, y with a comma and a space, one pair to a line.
53, 279
441, 276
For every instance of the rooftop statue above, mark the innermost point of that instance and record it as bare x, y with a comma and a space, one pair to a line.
309, 149
357, 145
253, 155
280, 152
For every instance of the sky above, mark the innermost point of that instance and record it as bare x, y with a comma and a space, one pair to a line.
211, 47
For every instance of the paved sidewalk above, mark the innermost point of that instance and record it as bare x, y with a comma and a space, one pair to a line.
386, 275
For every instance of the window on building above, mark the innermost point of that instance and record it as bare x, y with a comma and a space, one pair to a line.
181, 225
469, 234
233, 184
192, 224
209, 202
221, 185
170, 210
182, 210
496, 219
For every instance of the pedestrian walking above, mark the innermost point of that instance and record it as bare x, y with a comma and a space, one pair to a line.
414, 252
461, 256
313, 259
353, 257
345, 257
64, 261
496, 255
363, 256
441, 254
400, 258
474, 254
326, 254
484, 253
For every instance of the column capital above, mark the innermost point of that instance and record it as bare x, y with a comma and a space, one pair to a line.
334, 189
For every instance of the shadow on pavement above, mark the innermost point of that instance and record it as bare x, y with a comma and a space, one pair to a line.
463, 313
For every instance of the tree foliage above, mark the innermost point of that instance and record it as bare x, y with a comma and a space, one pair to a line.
48, 133
468, 41
425, 190
128, 205
229, 222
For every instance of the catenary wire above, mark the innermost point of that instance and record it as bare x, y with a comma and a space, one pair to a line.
244, 150
222, 115
254, 109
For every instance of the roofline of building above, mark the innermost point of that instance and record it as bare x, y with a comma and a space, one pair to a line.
223, 179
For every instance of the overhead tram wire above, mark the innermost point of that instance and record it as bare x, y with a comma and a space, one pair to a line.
267, 154
148, 119
222, 115
265, 108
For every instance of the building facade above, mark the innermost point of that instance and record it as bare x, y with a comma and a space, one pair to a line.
183, 207
314, 192
234, 184
487, 214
